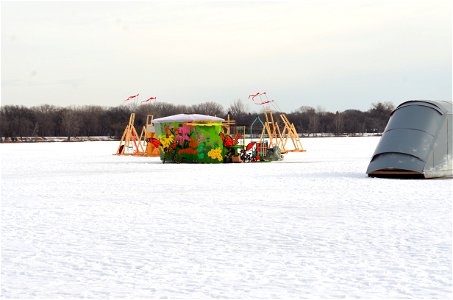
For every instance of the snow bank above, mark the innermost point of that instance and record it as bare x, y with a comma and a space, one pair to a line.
80, 222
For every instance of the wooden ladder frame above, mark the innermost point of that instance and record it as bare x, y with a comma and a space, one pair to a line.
280, 138
129, 136
272, 129
290, 132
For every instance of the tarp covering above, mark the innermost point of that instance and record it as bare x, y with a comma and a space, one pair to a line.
416, 141
188, 118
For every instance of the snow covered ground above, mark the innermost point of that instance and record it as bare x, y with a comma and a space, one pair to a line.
80, 222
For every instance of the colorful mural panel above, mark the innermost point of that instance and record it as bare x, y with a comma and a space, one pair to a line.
190, 142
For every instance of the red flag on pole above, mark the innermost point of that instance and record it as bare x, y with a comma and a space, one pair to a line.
258, 94
149, 99
261, 102
131, 97
254, 95
264, 102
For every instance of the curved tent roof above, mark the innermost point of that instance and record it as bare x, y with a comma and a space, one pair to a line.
188, 118
416, 142
443, 107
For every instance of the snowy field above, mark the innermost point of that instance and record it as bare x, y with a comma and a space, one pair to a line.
79, 222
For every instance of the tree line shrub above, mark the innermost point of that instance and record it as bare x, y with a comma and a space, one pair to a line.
49, 120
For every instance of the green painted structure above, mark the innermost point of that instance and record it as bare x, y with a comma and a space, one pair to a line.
190, 138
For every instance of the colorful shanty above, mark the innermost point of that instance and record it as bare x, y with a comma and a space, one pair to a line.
191, 138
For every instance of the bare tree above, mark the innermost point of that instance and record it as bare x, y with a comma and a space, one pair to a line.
305, 109
45, 117
209, 108
237, 108
378, 115
47, 120
313, 122
338, 120
70, 122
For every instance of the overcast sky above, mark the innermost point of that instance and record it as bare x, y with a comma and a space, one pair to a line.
334, 55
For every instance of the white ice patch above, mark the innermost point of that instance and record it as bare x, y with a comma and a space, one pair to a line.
78, 222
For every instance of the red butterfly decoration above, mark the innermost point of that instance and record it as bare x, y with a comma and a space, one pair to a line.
228, 141
155, 142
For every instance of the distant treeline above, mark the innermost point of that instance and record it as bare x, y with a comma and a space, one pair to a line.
48, 120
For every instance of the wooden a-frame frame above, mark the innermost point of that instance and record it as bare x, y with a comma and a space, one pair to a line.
290, 132
130, 140
280, 138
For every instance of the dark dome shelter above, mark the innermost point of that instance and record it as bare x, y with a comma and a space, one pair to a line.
417, 142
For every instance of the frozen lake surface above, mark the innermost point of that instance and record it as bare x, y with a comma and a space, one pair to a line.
80, 222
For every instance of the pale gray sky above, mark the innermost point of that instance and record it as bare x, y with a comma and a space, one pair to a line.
331, 54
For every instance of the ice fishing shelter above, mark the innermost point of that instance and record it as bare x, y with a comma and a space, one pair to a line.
190, 138
417, 142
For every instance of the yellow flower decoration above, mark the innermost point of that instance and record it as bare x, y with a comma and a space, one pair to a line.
215, 154
165, 141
